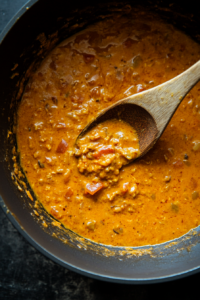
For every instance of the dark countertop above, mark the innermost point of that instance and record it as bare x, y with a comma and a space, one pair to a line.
27, 274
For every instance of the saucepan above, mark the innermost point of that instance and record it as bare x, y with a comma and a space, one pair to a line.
27, 39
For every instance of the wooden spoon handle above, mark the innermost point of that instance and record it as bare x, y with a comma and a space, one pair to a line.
174, 92
162, 101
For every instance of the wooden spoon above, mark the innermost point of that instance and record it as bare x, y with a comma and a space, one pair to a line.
150, 111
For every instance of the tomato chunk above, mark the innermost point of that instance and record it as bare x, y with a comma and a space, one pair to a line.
88, 58
125, 187
55, 212
53, 65
140, 88
92, 188
129, 42
103, 150
178, 163
68, 193
62, 147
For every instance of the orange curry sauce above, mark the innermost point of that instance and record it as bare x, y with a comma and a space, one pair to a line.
151, 201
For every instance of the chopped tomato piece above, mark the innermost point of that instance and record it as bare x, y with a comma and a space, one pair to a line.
92, 188
62, 147
125, 187
53, 65
178, 163
55, 212
68, 193
193, 183
129, 42
103, 150
88, 58
140, 88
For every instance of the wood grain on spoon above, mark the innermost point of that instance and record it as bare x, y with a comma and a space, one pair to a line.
150, 111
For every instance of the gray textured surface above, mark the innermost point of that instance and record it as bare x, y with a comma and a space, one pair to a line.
8, 8
27, 274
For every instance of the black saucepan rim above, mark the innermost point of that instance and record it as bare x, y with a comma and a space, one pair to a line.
47, 252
